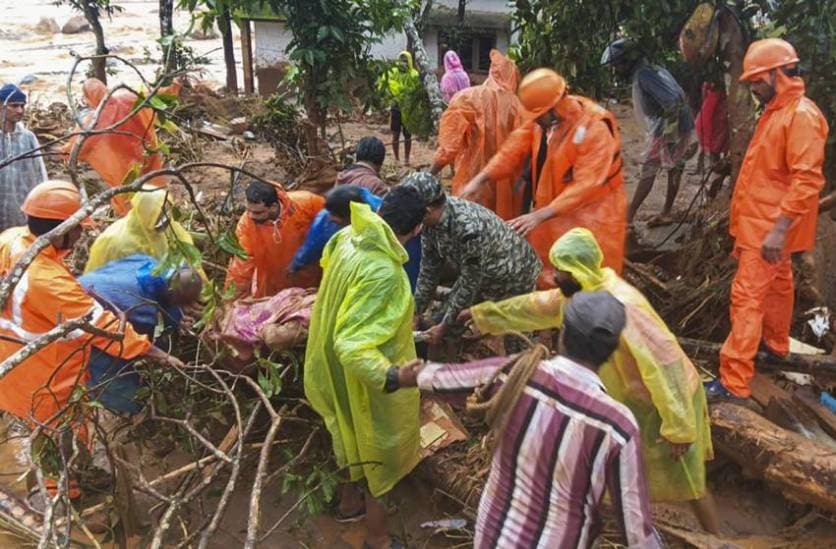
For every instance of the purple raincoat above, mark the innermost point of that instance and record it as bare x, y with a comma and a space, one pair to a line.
455, 77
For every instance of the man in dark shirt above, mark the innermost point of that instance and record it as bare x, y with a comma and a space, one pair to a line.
365, 172
659, 102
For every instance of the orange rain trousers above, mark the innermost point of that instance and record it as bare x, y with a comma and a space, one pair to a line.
114, 155
271, 247
474, 127
581, 180
761, 310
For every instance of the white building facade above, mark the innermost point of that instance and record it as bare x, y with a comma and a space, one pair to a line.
487, 25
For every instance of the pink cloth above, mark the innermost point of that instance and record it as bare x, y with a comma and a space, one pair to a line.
243, 321
712, 121
455, 77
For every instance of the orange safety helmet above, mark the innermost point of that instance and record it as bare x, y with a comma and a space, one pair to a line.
765, 55
541, 90
53, 200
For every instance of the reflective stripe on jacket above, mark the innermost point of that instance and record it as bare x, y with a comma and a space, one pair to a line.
46, 296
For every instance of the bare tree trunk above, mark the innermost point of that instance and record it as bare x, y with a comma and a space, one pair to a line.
798, 468
422, 60
225, 25
91, 13
167, 29
741, 110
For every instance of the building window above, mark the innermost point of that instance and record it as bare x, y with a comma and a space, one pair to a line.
473, 47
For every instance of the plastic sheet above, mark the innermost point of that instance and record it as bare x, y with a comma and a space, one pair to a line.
361, 325
139, 232
474, 127
114, 155
649, 372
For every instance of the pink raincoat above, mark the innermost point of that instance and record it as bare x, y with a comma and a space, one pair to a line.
455, 77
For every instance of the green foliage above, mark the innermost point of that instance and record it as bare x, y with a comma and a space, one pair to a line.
107, 7
571, 35
330, 46
811, 27
270, 376
279, 122
318, 488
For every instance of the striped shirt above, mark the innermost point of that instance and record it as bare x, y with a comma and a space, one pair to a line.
565, 442
18, 178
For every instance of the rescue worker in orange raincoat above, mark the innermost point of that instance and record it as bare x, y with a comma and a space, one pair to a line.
270, 232
574, 146
773, 214
114, 155
39, 388
474, 126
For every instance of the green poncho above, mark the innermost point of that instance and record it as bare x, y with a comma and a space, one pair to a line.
360, 326
405, 90
649, 372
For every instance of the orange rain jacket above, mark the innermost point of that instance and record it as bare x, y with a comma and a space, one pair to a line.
782, 171
474, 127
581, 180
272, 245
114, 155
46, 296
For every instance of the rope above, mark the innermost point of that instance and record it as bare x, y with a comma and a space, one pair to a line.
497, 409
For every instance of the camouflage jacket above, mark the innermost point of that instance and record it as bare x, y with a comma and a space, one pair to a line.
493, 262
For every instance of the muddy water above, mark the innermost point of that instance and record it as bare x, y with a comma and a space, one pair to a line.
48, 57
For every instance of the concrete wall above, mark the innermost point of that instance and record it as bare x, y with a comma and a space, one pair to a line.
272, 38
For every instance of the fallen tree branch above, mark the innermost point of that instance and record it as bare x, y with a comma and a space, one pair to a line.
800, 469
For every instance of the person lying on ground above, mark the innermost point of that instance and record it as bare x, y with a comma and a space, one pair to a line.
649, 372
559, 439
365, 172
493, 262
41, 387
573, 149
270, 232
21, 176
150, 301
660, 103
361, 325
335, 216
474, 126
146, 229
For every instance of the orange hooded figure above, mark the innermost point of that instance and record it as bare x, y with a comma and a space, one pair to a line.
114, 155
45, 296
576, 170
474, 127
270, 231
773, 211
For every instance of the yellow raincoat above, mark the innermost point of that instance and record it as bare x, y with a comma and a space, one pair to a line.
136, 233
649, 372
360, 326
